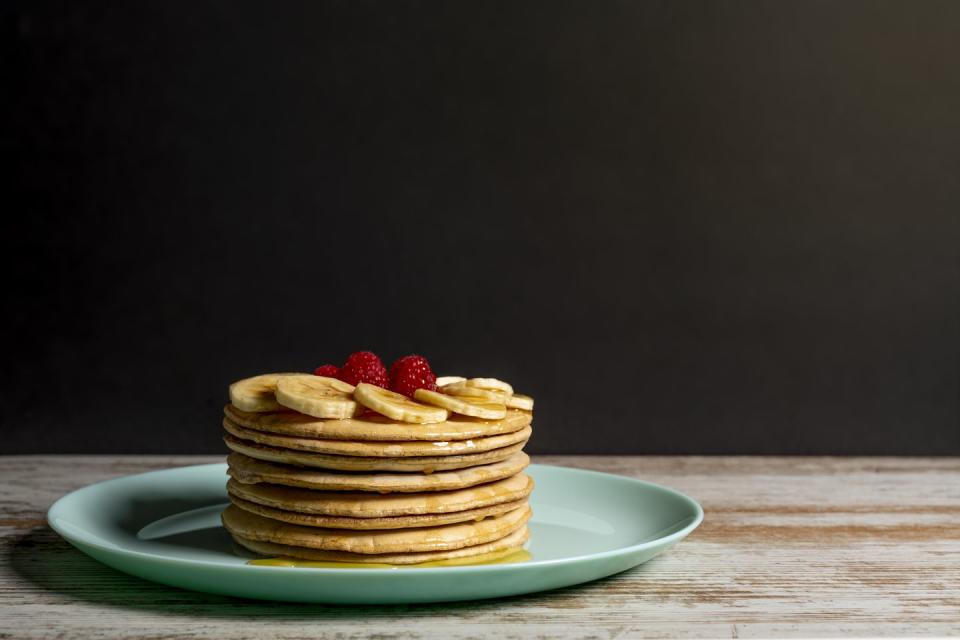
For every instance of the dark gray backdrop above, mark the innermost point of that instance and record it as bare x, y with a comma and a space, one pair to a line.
684, 227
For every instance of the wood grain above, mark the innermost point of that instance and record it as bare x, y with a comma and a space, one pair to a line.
790, 547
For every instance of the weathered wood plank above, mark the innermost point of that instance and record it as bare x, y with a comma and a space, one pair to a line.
790, 547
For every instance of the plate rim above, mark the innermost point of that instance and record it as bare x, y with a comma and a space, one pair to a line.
668, 539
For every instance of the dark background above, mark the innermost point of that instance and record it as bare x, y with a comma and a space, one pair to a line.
684, 227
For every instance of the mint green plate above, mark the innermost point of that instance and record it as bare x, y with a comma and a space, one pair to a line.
165, 526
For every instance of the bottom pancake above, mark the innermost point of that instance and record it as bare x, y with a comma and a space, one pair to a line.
506, 544
243, 524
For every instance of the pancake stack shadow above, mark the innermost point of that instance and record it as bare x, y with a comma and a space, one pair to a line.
374, 489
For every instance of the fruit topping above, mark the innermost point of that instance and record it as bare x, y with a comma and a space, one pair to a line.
328, 370
464, 389
409, 373
257, 393
520, 401
490, 383
397, 406
364, 366
317, 396
467, 406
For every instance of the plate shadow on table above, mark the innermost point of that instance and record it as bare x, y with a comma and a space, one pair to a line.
46, 561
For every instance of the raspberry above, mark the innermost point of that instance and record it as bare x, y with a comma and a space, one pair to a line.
364, 366
409, 373
328, 370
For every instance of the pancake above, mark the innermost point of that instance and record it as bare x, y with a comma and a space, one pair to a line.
353, 504
378, 449
439, 538
375, 427
425, 464
392, 522
252, 471
507, 544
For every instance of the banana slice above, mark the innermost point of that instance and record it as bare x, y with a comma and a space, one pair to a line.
397, 406
463, 390
442, 380
256, 394
491, 384
317, 396
476, 407
520, 401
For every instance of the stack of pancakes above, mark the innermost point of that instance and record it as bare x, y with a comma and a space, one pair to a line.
372, 489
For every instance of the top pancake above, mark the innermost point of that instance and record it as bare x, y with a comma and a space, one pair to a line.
376, 427
392, 449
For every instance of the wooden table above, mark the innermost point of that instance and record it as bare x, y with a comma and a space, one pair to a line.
789, 547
